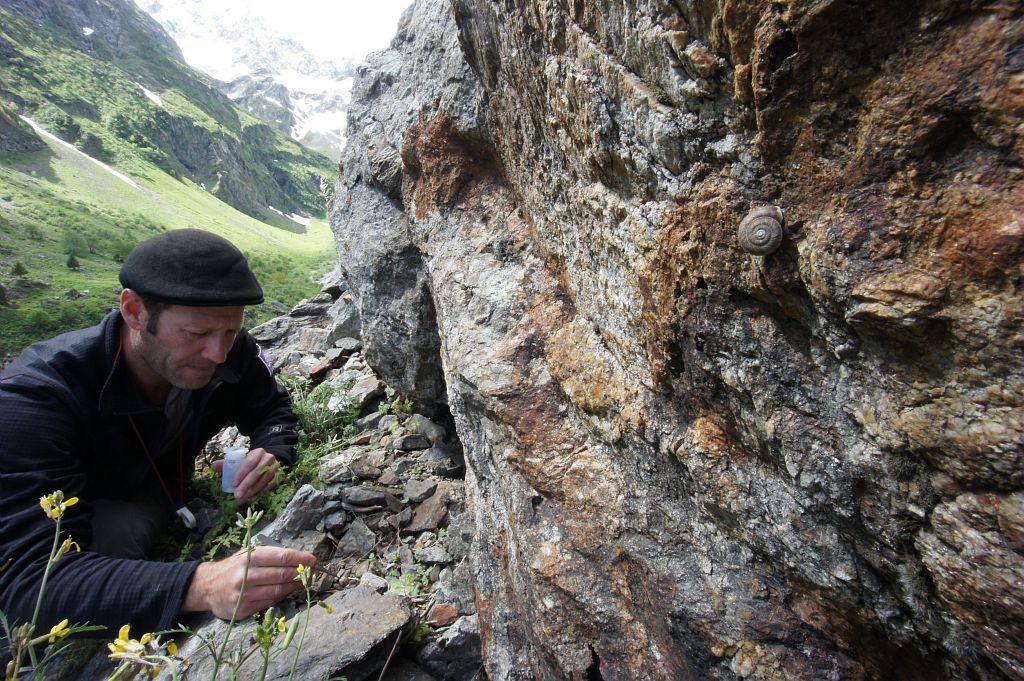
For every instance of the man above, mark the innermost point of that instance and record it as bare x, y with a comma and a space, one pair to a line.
115, 415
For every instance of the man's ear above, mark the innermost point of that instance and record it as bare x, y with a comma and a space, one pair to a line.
132, 309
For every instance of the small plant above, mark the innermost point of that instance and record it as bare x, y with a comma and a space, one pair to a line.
266, 640
72, 263
420, 632
22, 639
19, 269
304, 575
246, 523
267, 631
145, 655
394, 403
411, 584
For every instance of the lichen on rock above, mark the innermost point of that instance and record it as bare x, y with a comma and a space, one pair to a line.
685, 461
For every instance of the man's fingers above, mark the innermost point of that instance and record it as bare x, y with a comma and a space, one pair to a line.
218, 465
256, 474
247, 464
276, 575
271, 592
273, 556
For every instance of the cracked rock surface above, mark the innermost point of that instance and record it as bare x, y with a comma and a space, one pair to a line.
685, 461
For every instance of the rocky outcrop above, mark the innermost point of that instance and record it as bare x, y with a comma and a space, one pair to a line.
15, 136
386, 521
686, 460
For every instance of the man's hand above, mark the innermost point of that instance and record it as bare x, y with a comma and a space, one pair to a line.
216, 586
258, 472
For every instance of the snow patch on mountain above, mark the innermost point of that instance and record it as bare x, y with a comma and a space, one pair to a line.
151, 96
270, 75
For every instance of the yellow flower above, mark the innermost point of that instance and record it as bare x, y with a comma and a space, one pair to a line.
329, 609
172, 647
303, 574
279, 622
66, 548
55, 504
59, 630
126, 648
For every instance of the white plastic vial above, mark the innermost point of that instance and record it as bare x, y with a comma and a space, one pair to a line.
232, 457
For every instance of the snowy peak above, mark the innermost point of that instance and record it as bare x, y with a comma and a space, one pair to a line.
270, 75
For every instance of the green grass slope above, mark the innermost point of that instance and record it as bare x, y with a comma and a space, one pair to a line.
81, 68
105, 79
58, 202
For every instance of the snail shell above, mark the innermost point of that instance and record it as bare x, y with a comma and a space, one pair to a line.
761, 232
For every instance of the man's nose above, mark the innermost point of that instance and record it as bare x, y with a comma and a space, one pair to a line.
216, 349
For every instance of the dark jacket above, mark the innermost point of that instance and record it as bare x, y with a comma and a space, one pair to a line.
67, 410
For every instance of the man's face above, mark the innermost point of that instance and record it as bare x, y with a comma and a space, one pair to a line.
189, 343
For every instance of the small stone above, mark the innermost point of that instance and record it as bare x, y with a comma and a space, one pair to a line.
413, 442
441, 615
434, 555
386, 422
363, 496
357, 542
419, 490
365, 389
418, 423
423, 541
302, 513
369, 421
348, 345
448, 468
376, 458
363, 439
430, 514
389, 479
454, 585
400, 520
456, 651
406, 557
363, 469
374, 582
335, 523
335, 468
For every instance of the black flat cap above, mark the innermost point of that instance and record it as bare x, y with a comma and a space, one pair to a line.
191, 267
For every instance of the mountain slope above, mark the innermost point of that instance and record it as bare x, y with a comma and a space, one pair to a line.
273, 77
105, 76
58, 202
129, 141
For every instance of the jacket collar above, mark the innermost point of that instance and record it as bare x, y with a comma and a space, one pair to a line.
119, 395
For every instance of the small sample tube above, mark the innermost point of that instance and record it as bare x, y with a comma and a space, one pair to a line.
232, 458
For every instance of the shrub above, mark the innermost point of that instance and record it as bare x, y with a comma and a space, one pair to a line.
19, 270
73, 263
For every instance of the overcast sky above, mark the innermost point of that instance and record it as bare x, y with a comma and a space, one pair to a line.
334, 28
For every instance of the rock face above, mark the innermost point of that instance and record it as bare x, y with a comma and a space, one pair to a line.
686, 460
15, 136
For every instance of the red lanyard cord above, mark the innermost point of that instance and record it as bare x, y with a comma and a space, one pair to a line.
152, 464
